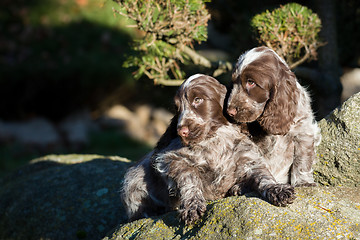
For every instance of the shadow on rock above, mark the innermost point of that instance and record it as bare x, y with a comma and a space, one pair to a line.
63, 197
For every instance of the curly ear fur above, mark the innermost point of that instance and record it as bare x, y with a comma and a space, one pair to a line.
170, 134
281, 108
222, 92
217, 87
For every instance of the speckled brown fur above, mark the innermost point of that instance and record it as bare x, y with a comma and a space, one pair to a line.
209, 159
267, 96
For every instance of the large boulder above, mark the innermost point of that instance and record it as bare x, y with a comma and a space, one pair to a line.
338, 155
317, 213
63, 197
77, 197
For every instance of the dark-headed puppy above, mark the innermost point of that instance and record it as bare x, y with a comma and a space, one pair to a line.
209, 159
267, 95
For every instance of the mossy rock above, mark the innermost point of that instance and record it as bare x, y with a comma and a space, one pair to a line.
317, 213
338, 155
63, 197
77, 197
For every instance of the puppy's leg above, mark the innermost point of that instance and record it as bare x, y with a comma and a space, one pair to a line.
189, 183
192, 201
254, 174
301, 171
134, 192
263, 182
144, 192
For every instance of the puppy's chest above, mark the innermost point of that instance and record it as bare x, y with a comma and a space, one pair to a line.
278, 152
219, 167
216, 153
275, 145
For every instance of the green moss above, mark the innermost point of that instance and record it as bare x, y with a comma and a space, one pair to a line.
317, 212
77, 158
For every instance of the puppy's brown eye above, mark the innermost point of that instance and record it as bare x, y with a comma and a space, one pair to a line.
250, 83
197, 101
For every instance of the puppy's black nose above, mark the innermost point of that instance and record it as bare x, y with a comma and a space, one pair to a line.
183, 131
232, 112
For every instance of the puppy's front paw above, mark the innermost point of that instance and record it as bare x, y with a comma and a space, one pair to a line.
280, 194
238, 189
192, 210
235, 190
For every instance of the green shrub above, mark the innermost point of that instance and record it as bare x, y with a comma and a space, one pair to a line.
168, 30
291, 31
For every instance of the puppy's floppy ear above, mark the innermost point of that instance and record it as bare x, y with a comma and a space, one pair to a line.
223, 92
281, 108
220, 89
170, 134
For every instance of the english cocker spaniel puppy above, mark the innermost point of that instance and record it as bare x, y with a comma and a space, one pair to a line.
200, 157
266, 94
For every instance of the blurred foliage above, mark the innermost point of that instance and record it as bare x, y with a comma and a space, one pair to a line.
168, 28
65, 53
291, 31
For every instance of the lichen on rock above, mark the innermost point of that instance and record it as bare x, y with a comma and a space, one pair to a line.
317, 213
338, 155
77, 197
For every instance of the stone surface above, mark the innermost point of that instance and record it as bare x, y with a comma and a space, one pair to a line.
77, 197
43, 134
338, 155
317, 213
76, 128
351, 82
38, 132
63, 197
145, 123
